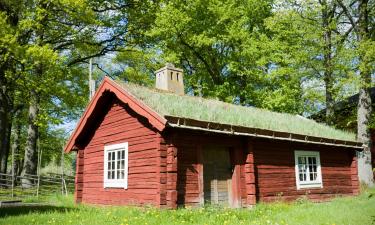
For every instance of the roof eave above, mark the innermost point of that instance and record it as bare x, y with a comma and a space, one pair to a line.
186, 123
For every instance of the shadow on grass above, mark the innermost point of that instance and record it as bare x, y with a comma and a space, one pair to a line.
27, 209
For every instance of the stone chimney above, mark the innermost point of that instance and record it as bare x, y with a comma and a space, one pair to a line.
170, 78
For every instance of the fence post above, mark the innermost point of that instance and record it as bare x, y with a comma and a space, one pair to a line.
12, 172
38, 169
62, 170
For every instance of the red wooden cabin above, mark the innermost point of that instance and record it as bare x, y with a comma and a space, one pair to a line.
128, 153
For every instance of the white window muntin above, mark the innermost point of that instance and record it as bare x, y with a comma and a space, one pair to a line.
307, 165
116, 165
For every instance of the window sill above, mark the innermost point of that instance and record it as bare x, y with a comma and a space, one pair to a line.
309, 185
115, 185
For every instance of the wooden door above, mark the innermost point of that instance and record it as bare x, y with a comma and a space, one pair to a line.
217, 176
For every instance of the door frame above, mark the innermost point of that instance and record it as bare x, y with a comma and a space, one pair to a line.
234, 194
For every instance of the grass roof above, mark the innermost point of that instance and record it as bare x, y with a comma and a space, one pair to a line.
169, 104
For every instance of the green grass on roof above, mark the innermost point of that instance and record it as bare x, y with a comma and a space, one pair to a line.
220, 112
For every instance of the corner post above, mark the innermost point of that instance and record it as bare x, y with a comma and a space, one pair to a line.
354, 174
250, 175
79, 176
162, 167
172, 176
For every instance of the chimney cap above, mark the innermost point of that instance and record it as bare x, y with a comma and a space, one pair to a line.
169, 66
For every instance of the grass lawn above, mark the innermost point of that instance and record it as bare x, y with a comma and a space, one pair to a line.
349, 210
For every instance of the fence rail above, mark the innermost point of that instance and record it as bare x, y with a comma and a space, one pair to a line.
27, 185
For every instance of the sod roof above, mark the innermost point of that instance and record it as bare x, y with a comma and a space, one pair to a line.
210, 110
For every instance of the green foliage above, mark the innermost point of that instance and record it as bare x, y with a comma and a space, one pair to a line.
219, 44
137, 65
297, 45
261, 53
358, 210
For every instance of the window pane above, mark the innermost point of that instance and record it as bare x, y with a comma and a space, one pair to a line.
301, 160
109, 165
302, 168
122, 164
123, 154
122, 174
118, 174
113, 174
118, 165
113, 156
109, 175
118, 155
113, 165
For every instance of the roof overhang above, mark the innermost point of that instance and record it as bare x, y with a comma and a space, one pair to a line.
186, 123
124, 96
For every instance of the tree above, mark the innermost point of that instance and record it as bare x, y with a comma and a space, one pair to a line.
360, 15
9, 51
43, 47
216, 42
366, 41
309, 39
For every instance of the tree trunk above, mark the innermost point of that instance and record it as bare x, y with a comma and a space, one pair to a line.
327, 17
30, 159
4, 126
364, 103
16, 148
6, 144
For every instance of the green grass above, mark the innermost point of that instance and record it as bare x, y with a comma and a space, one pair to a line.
350, 210
216, 111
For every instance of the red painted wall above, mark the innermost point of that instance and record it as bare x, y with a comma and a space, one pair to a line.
266, 169
188, 176
119, 125
275, 171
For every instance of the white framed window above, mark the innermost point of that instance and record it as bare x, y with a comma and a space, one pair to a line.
116, 165
308, 169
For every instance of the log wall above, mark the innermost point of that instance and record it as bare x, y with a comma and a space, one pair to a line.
120, 124
275, 171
